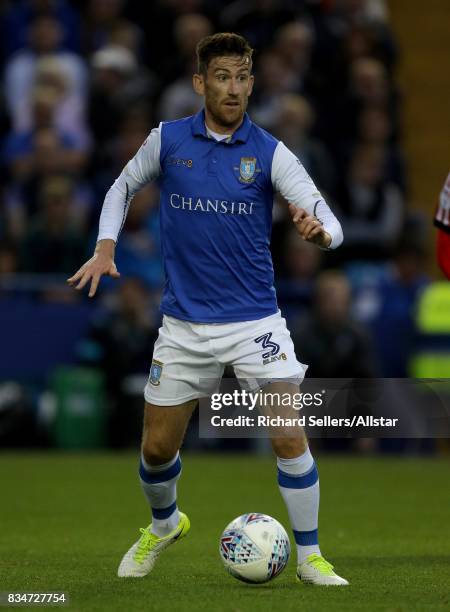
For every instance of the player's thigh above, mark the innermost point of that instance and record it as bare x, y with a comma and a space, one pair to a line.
164, 429
288, 438
183, 367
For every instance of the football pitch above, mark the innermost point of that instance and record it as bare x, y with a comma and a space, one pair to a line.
67, 519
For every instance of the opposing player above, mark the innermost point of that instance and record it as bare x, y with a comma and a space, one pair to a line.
442, 222
217, 173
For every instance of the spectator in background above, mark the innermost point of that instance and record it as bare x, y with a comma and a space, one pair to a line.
123, 142
179, 99
31, 154
257, 20
21, 73
387, 306
105, 25
70, 112
127, 36
160, 39
294, 44
369, 84
293, 126
120, 344
368, 87
118, 84
187, 31
347, 28
271, 83
330, 341
375, 128
368, 39
16, 21
52, 244
372, 208
47, 155
19, 144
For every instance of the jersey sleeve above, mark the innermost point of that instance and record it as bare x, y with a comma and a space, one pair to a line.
143, 168
290, 178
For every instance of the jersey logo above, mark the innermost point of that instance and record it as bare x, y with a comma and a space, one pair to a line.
177, 161
247, 169
155, 372
265, 339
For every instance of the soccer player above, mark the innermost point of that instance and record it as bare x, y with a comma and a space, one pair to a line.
217, 173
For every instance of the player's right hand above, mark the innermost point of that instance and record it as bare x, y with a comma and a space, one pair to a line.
98, 265
309, 227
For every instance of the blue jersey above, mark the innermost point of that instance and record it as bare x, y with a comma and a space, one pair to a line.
215, 215
216, 219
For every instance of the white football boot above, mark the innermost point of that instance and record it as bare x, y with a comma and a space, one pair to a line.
316, 570
142, 556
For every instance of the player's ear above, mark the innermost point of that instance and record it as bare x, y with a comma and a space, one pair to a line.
251, 81
198, 82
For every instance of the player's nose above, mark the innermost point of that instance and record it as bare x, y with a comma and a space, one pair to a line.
233, 87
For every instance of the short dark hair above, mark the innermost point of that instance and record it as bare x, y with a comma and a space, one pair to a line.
218, 45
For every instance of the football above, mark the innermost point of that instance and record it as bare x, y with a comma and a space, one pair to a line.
254, 548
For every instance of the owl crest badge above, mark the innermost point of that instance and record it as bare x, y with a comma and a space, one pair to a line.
247, 169
155, 372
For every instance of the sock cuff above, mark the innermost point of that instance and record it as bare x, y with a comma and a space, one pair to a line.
306, 538
163, 473
163, 513
158, 468
297, 465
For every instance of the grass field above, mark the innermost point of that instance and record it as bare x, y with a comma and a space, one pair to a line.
66, 520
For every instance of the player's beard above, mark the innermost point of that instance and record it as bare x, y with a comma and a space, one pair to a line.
226, 117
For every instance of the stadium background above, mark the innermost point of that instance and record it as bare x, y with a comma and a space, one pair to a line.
359, 89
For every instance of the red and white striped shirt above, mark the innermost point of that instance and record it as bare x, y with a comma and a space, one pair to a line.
442, 222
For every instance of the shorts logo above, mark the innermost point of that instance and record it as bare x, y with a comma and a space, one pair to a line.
247, 169
272, 354
282, 356
265, 339
155, 372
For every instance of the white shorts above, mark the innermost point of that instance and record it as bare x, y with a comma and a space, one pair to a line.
189, 358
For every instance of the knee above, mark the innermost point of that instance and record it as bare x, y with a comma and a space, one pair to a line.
289, 448
157, 451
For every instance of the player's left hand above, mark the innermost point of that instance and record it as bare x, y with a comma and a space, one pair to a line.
309, 227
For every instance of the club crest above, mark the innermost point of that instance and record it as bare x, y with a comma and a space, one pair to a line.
155, 372
247, 169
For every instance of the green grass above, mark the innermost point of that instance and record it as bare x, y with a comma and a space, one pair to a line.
66, 520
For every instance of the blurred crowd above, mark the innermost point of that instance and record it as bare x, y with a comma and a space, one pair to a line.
85, 82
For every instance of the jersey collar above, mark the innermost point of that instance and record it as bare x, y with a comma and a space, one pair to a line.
240, 135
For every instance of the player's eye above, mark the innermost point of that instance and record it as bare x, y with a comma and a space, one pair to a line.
221, 77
